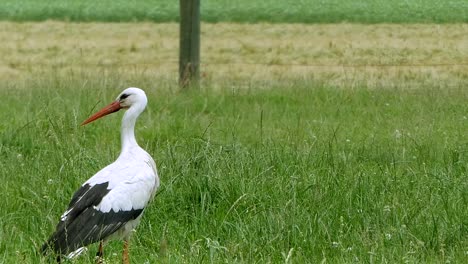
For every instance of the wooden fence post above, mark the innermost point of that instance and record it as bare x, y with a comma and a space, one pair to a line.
189, 48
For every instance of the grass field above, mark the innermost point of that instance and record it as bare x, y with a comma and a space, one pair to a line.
265, 162
276, 11
279, 172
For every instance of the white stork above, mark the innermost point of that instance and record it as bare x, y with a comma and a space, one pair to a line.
110, 204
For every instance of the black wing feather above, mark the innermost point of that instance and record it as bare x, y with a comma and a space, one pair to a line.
86, 196
89, 227
84, 224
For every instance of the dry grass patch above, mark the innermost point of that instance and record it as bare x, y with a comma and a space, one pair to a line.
338, 54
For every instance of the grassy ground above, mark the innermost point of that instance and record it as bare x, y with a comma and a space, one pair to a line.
277, 11
272, 172
408, 56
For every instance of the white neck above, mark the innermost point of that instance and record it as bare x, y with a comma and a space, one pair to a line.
128, 127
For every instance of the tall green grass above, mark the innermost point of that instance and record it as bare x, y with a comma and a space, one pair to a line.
289, 172
276, 11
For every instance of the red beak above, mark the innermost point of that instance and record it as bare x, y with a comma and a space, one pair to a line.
111, 108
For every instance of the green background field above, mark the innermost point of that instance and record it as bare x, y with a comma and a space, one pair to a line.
277, 11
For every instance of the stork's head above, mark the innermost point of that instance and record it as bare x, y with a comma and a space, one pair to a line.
132, 97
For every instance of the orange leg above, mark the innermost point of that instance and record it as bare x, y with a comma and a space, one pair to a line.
100, 254
125, 257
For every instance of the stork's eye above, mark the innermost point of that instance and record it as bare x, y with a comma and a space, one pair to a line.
123, 96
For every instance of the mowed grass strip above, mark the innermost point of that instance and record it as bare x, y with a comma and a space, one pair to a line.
273, 172
276, 11
340, 55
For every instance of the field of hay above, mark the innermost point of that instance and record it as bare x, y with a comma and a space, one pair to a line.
334, 143
382, 55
